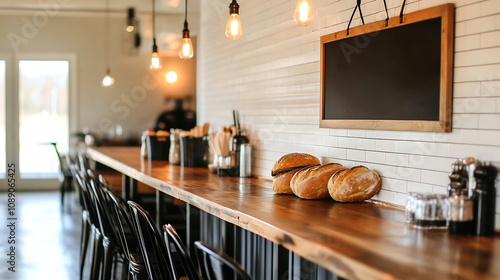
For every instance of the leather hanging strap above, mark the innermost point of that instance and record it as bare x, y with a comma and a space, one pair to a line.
358, 7
401, 13
387, 13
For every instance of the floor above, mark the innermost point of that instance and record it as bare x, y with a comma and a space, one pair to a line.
46, 239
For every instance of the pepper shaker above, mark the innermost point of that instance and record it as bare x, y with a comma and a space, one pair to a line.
458, 179
461, 206
238, 140
484, 200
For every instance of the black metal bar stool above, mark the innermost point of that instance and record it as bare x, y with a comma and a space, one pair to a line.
216, 265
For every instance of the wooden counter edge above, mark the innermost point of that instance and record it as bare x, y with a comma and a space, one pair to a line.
324, 256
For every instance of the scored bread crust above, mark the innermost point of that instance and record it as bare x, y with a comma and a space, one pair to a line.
312, 182
352, 185
281, 182
292, 161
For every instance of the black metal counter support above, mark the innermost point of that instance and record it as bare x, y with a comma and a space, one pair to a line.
261, 258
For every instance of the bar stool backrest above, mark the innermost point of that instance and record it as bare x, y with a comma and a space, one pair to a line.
151, 244
62, 168
173, 241
74, 169
88, 204
65, 174
102, 210
122, 220
215, 264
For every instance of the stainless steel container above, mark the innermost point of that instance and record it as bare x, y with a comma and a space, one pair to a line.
245, 160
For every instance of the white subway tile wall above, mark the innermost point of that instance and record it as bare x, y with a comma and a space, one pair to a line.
272, 76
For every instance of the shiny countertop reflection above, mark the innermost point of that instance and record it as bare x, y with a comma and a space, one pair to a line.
367, 240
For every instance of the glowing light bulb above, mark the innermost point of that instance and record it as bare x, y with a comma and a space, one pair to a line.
186, 51
303, 12
155, 58
130, 28
171, 77
155, 61
233, 27
108, 80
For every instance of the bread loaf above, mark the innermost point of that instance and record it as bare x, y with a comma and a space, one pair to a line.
356, 184
312, 182
281, 182
293, 161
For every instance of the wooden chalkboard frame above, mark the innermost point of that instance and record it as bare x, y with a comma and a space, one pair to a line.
446, 13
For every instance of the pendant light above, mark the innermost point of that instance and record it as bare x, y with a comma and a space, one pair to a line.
186, 51
303, 12
155, 58
132, 27
233, 27
107, 80
130, 20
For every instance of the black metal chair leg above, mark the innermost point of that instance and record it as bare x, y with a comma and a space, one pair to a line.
96, 255
84, 240
107, 258
62, 190
125, 269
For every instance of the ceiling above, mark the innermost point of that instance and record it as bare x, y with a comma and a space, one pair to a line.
141, 6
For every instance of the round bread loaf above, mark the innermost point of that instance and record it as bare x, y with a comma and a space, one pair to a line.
281, 182
292, 161
312, 182
352, 185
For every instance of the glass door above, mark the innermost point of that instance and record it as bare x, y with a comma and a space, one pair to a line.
43, 116
3, 150
36, 92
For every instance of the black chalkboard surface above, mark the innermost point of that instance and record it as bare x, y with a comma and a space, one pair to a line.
391, 78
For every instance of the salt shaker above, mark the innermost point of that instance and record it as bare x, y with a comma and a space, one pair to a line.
174, 156
484, 200
144, 143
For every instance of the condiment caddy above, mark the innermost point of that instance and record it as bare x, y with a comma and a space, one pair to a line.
469, 207
232, 151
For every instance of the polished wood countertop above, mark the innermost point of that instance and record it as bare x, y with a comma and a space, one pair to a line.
366, 240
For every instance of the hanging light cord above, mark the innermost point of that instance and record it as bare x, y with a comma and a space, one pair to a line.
106, 40
185, 22
154, 34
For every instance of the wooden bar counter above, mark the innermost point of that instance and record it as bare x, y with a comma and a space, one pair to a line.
366, 240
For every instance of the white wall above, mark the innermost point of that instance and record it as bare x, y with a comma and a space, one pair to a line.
272, 75
136, 98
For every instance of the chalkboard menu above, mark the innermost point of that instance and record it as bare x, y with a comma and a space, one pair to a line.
394, 77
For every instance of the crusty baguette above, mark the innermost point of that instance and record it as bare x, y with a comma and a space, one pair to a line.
292, 161
356, 184
312, 182
281, 182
